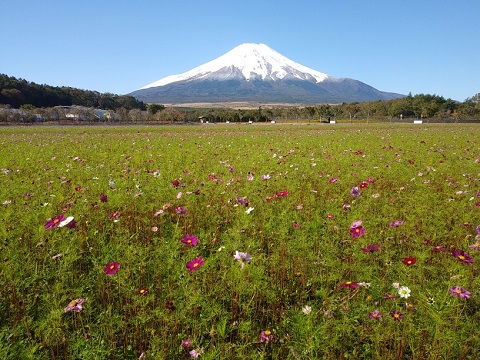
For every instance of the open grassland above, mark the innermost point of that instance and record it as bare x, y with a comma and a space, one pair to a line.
240, 242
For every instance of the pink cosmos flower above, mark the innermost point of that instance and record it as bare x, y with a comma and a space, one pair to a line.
115, 215
355, 191
111, 268
396, 223
195, 264
459, 292
333, 180
54, 222
462, 256
195, 353
266, 336
357, 231
186, 343
371, 248
282, 193
475, 246
190, 240
103, 198
375, 315
75, 305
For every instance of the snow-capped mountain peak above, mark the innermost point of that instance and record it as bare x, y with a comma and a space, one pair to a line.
247, 61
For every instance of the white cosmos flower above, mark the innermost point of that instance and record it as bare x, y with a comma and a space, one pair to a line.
249, 210
66, 221
404, 292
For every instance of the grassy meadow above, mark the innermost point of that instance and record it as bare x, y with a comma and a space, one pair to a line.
240, 242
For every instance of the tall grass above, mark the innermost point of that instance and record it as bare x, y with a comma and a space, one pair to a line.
282, 194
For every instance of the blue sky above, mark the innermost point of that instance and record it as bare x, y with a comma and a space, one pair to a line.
417, 46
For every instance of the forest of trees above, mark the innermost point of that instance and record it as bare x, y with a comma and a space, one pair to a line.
44, 103
17, 92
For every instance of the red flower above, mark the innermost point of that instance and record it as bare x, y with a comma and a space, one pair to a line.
349, 284
111, 268
409, 261
142, 291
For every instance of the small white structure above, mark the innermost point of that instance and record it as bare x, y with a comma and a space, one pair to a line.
333, 122
272, 122
417, 121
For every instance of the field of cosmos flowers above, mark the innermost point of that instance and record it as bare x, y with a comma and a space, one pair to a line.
240, 242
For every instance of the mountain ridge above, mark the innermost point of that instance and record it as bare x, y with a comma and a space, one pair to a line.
255, 72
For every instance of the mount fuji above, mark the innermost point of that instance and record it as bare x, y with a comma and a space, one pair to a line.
257, 73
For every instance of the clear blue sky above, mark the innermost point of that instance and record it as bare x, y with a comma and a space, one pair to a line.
417, 46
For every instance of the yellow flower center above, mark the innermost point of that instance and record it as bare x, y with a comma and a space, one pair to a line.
461, 257
458, 291
267, 332
195, 265
112, 267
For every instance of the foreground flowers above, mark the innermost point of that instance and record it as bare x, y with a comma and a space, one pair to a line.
111, 268
404, 292
356, 229
242, 257
459, 292
75, 305
266, 336
396, 315
195, 264
190, 240
60, 221
462, 256
375, 315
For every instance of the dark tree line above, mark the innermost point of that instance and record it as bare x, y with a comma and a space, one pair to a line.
17, 92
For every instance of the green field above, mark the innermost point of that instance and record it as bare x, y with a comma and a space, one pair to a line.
240, 242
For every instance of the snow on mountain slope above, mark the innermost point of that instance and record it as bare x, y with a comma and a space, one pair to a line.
252, 61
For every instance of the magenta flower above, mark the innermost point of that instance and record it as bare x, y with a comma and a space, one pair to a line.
190, 240
438, 248
282, 193
54, 222
357, 231
355, 191
375, 315
397, 223
266, 336
75, 305
371, 248
115, 215
462, 256
195, 264
175, 183
459, 292
396, 315
333, 180
242, 200
103, 198
181, 210
349, 284
111, 268
186, 343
